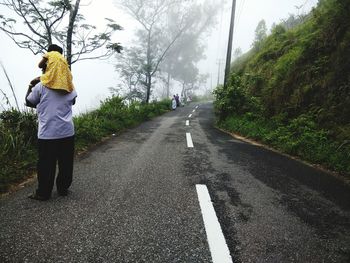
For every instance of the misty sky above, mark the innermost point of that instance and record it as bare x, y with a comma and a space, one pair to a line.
92, 78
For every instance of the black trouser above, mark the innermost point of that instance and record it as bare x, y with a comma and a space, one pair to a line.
52, 152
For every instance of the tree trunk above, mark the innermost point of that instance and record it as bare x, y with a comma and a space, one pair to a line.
148, 83
73, 11
149, 67
183, 90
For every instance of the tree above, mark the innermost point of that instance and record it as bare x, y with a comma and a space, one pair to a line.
130, 67
163, 25
237, 53
180, 63
155, 36
260, 34
194, 84
188, 50
47, 22
293, 21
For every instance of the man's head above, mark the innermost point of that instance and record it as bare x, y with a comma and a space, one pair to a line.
54, 47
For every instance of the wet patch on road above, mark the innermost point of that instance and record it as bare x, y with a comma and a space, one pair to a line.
199, 170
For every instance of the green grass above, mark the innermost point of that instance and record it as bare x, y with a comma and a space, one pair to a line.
299, 137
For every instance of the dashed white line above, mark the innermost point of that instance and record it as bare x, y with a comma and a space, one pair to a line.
189, 116
197, 107
193, 110
187, 123
189, 140
216, 240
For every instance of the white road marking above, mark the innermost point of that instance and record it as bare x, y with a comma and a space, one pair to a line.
189, 116
187, 123
189, 140
193, 110
216, 240
197, 107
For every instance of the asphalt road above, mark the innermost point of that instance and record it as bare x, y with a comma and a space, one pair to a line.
134, 199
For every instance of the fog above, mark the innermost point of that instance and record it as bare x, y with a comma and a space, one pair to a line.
93, 78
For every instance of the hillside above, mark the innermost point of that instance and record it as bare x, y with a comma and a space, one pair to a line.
293, 90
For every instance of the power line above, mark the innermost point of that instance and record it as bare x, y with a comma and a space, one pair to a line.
220, 32
240, 11
219, 61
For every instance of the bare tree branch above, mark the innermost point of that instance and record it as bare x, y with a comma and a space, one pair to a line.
24, 16
20, 44
59, 19
44, 22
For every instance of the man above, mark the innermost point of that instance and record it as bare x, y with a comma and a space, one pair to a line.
55, 138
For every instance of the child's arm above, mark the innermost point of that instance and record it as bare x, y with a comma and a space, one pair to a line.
31, 85
42, 63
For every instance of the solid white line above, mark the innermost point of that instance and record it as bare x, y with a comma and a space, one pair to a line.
216, 240
187, 122
189, 140
189, 116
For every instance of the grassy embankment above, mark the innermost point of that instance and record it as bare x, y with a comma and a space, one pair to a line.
293, 91
18, 132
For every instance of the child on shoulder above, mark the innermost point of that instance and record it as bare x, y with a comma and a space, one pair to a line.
56, 72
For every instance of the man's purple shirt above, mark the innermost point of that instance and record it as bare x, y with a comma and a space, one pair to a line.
54, 112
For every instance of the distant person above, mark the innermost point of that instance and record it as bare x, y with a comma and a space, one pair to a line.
177, 98
182, 101
55, 133
173, 103
56, 72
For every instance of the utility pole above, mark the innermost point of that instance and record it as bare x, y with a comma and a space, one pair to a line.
229, 47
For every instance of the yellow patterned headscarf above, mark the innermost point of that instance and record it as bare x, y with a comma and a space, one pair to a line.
57, 74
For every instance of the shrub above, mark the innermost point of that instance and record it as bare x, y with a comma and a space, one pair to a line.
18, 132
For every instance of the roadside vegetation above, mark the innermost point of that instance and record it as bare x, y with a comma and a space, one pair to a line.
208, 96
292, 89
18, 133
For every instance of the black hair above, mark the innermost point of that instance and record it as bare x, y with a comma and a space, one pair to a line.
54, 47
